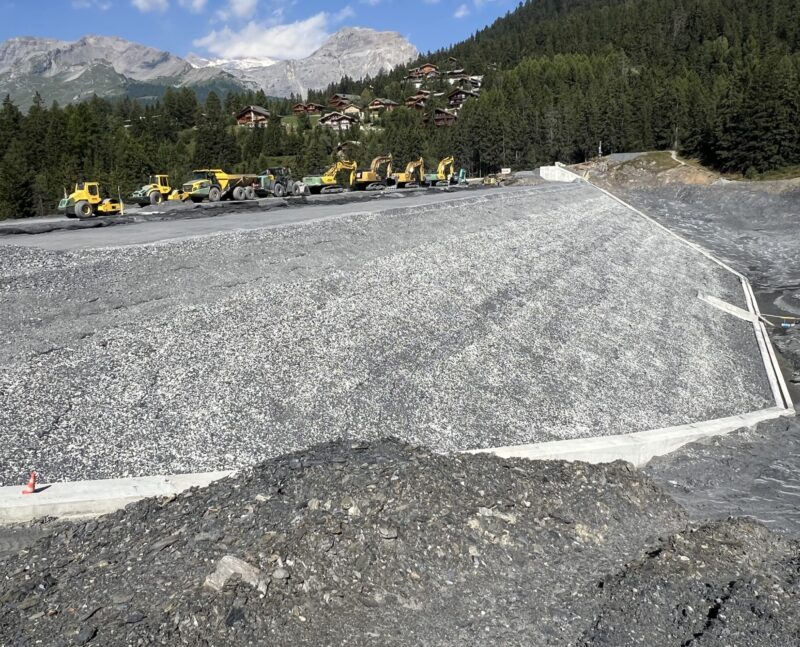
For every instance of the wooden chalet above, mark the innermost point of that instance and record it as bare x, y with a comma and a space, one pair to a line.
457, 97
339, 101
352, 110
307, 108
424, 71
442, 117
253, 117
381, 105
416, 102
337, 121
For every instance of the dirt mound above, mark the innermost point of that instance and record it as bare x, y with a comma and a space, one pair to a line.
382, 543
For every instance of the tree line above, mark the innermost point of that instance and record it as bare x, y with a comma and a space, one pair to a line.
715, 79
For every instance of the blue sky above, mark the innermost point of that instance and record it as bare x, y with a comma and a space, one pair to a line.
247, 28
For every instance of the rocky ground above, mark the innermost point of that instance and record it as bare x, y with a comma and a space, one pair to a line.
384, 544
519, 316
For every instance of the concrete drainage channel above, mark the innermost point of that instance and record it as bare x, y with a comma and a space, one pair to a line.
85, 498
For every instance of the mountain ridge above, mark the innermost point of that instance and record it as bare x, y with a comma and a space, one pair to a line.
111, 66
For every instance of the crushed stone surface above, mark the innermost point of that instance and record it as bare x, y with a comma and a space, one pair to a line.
520, 316
381, 543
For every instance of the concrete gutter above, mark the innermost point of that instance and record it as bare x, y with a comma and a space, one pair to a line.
92, 498
638, 447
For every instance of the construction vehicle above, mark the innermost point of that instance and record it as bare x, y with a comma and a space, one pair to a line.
372, 179
215, 185
156, 191
85, 201
411, 177
328, 181
445, 173
276, 181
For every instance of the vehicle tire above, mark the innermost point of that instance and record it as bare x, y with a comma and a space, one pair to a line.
156, 198
214, 194
298, 188
83, 209
238, 193
249, 193
279, 190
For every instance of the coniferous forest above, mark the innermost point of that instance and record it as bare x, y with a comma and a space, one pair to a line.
718, 80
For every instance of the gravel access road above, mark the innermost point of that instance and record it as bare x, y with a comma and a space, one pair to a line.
497, 318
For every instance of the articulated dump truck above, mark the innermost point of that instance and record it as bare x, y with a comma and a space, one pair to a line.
215, 185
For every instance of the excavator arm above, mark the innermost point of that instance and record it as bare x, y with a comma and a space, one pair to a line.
379, 161
446, 168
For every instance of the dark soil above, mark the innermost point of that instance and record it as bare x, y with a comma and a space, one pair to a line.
385, 544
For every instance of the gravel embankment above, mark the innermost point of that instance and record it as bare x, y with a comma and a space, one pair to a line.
523, 316
384, 544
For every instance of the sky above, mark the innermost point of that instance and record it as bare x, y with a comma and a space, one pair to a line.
275, 29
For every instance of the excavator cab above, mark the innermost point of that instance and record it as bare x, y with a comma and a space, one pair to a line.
328, 182
410, 177
445, 173
373, 179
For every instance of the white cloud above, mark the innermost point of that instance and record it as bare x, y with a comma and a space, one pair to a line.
151, 5
100, 5
243, 8
343, 14
195, 6
463, 10
261, 40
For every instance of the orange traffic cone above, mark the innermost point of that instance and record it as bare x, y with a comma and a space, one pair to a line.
30, 488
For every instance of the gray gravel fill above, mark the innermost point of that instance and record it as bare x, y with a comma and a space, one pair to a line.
515, 317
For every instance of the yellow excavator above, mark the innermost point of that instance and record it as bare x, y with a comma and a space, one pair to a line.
373, 179
328, 181
86, 201
412, 176
445, 173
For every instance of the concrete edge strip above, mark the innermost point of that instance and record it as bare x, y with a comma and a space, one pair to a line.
729, 308
91, 498
778, 386
636, 447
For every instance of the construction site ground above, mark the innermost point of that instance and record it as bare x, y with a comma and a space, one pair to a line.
497, 318
371, 541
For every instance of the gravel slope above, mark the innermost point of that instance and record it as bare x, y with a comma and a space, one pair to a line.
384, 544
520, 316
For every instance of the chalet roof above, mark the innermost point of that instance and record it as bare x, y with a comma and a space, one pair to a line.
346, 97
386, 102
468, 91
259, 110
336, 116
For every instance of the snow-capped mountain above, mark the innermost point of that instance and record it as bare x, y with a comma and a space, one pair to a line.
354, 51
109, 66
103, 65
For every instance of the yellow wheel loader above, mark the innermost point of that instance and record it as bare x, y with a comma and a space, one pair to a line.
373, 179
328, 181
411, 177
85, 201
